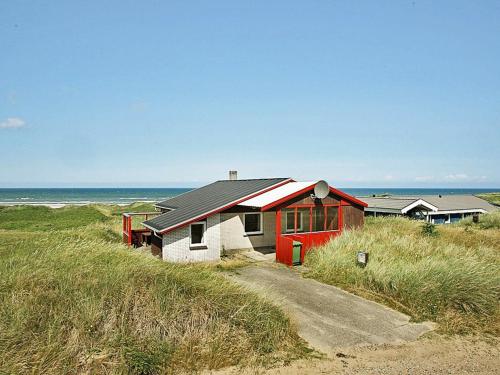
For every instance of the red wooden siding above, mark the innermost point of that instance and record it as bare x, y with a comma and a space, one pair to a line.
309, 241
354, 217
322, 221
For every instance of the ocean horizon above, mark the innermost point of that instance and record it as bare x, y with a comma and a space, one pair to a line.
51, 196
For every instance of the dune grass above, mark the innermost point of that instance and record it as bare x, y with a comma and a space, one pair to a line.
452, 278
490, 221
78, 301
40, 218
493, 198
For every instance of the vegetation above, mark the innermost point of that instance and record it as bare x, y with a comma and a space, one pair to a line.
76, 300
452, 278
39, 218
429, 229
493, 198
490, 221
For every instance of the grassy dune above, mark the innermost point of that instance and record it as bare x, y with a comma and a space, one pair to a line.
77, 300
452, 278
493, 198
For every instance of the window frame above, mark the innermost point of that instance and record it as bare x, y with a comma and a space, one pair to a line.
300, 223
261, 222
203, 237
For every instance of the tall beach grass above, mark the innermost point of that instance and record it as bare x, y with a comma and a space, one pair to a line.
452, 278
77, 301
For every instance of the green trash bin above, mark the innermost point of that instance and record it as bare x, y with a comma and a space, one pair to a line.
297, 247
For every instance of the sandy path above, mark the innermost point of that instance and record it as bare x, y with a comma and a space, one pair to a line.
430, 356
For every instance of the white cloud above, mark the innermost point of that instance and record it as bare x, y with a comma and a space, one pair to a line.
12, 123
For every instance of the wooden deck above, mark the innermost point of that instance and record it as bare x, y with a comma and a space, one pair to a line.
136, 237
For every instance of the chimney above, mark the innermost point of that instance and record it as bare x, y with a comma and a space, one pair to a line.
233, 175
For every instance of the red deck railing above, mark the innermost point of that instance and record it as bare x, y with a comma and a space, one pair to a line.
137, 236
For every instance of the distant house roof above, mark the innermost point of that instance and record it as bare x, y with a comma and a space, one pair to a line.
459, 202
200, 203
432, 203
388, 202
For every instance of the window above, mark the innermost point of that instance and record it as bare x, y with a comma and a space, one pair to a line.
290, 221
197, 234
318, 219
253, 223
332, 218
303, 218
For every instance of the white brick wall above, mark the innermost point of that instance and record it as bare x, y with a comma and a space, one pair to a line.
176, 244
233, 236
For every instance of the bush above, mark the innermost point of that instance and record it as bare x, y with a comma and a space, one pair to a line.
429, 229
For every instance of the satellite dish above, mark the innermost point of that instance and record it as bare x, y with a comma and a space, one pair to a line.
321, 189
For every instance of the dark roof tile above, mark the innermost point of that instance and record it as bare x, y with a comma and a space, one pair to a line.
199, 202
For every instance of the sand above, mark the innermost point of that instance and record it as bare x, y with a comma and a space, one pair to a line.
431, 355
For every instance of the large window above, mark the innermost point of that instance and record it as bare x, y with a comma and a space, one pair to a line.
332, 218
318, 219
290, 221
309, 219
304, 219
197, 234
253, 223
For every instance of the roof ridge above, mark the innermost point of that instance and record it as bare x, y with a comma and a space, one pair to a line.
256, 179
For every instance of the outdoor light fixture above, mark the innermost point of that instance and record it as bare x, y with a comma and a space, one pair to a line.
362, 258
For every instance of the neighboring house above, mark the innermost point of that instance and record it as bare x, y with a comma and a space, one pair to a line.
266, 215
437, 209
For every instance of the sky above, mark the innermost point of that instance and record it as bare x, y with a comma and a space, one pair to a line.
176, 93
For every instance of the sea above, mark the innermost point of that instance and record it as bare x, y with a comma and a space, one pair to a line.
123, 196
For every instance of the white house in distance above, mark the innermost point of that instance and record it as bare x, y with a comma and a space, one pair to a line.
278, 215
437, 209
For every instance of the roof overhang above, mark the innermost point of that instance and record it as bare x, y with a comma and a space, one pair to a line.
467, 211
276, 196
383, 210
417, 203
157, 205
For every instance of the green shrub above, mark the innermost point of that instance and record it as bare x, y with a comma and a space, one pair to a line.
429, 229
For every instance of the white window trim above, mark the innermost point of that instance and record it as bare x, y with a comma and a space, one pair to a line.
300, 222
261, 222
419, 202
204, 242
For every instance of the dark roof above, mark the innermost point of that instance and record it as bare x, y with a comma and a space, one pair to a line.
199, 203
